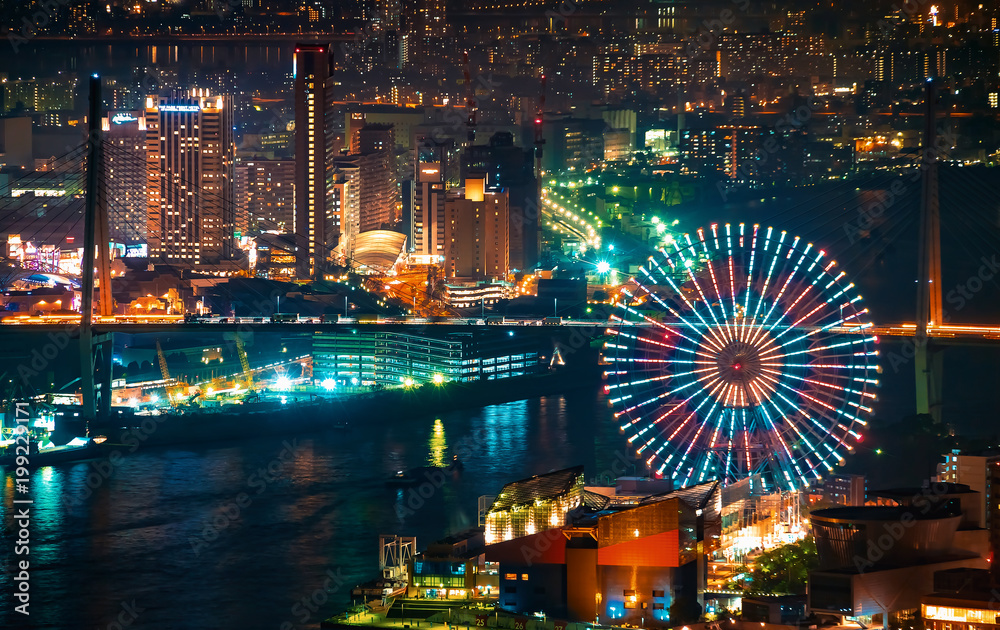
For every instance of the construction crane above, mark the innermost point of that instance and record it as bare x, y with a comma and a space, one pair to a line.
470, 100
164, 372
244, 363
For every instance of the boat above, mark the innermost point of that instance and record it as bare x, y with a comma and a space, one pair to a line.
424, 474
78, 450
416, 476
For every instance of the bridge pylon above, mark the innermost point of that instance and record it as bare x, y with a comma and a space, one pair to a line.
928, 362
95, 350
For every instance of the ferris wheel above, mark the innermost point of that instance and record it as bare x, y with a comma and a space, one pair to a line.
741, 351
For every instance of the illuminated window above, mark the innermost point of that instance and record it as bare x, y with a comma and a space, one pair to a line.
510, 576
524, 577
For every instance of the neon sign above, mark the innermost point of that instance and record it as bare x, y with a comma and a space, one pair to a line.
180, 108
123, 118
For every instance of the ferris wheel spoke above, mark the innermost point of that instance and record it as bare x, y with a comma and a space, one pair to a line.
767, 280
679, 293
730, 333
689, 268
749, 282
790, 422
767, 372
787, 283
788, 459
670, 309
823, 434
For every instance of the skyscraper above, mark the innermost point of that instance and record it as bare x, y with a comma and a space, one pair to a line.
347, 207
266, 194
476, 232
190, 156
316, 233
125, 175
435, 171
373, 150
513, 169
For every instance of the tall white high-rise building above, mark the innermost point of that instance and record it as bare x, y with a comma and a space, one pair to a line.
190, 169
125, 177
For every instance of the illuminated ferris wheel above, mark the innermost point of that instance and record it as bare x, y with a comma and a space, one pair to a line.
742, 351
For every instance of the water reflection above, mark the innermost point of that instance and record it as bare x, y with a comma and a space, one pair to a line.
103, 535
437, 445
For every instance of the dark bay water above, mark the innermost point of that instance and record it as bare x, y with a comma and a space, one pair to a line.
206, 537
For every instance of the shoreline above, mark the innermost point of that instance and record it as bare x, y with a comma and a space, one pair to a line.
327, 414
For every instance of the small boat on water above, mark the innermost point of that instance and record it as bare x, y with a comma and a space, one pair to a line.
77, 450
424, 474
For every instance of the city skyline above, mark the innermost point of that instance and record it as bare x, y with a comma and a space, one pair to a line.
515, 315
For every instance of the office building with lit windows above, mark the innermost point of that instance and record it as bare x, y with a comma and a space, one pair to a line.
190, 177
476, 232
434, 172
124, 171
315, 226
266, 195
345, 207
360, 357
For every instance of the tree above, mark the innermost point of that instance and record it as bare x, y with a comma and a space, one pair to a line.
684, 610
784, 569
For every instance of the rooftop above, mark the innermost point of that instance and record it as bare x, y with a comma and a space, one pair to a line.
540, 487
882, 513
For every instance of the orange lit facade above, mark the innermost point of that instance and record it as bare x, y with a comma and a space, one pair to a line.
609, 567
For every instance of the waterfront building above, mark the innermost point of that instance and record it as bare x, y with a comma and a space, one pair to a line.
453, 568
593, 563
360, 357
982, 474
963, 599
534, 504
190, 169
